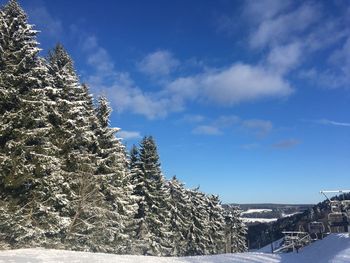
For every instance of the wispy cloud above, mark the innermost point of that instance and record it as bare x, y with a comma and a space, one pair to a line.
285, 57
216, 126
225, 87
129, 134
43, 19
282, 27
333, 123
286, 144
260, 11
290, 33
120, 88
224, 123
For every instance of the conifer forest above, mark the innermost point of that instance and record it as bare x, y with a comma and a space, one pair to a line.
68, 182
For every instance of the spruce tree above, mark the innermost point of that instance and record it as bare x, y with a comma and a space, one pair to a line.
180, 217
216, 225
27, 157
198, 232
75, 135
115, 182
152, 232
139, 230
235, 231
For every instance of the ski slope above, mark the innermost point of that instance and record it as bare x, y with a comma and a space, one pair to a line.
334, 248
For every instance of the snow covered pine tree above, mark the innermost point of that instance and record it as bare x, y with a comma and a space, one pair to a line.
152, 236
27, 156
115, 183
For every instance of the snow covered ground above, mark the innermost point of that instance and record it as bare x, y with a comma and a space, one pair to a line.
258, 220
245, 216
334, 248
250, 211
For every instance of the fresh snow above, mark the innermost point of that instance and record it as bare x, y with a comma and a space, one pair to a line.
335, 248
250, 211
267, 249
288, 215
259, 220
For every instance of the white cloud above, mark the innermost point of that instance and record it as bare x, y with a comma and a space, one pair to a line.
207, 130
327, 33
291, 33
283, 58
123, 93
281, 28
101, 60
225, 87
337, 73
341, 60
267, 9
233, 85
129, 134
241, 83
159, 63
126, 96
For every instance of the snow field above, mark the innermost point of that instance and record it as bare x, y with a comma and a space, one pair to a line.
333, 249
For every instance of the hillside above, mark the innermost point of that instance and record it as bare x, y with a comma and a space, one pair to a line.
334, 248
268, 212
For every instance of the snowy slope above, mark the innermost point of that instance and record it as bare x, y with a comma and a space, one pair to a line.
335, 248
267, 249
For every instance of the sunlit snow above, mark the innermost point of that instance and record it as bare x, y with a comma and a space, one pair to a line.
334, 248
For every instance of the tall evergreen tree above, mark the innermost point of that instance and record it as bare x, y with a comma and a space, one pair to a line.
198, 234
75, 135
153, 216
23, 107
115, 182
235, 231
216, 225
180, 216
27, 157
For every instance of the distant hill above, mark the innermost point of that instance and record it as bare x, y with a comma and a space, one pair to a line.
268, 212
272, 206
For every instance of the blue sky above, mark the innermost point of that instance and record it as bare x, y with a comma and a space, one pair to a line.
248, 99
